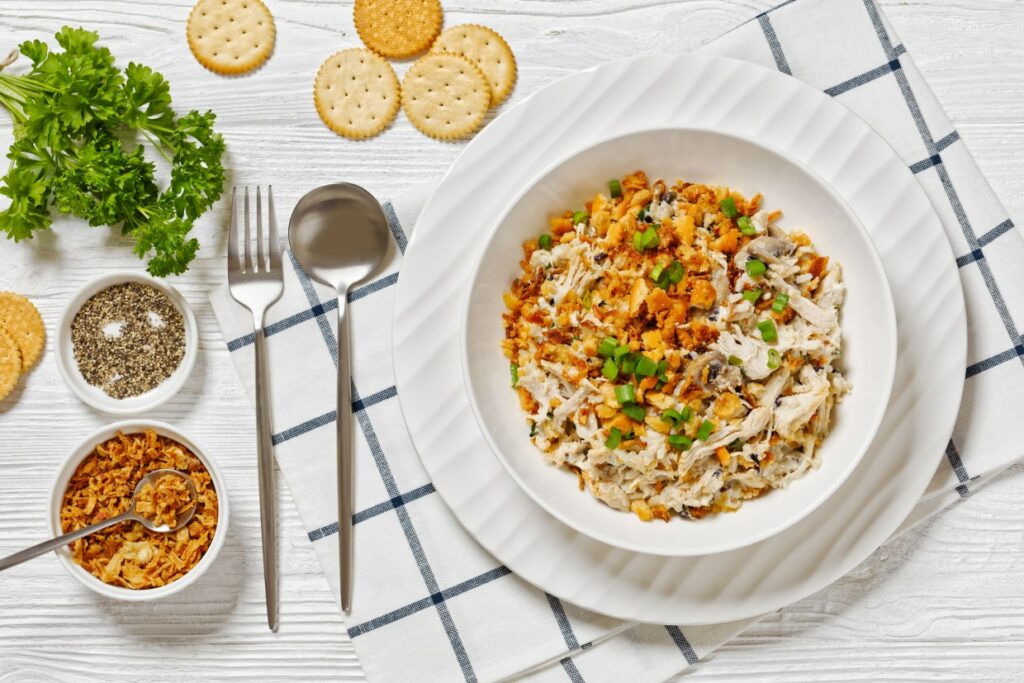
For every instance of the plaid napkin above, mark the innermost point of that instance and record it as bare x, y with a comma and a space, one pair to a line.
429, 603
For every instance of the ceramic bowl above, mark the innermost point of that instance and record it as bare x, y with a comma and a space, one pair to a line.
868, 324
60, 484
94, 396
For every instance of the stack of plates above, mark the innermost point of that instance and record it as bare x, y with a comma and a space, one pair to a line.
796, 122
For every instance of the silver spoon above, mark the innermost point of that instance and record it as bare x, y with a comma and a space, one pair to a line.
129, 515
339, 235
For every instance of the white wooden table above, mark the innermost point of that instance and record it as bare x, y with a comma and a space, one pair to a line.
944, 602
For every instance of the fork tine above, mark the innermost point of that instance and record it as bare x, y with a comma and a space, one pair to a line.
261, 264
247, 266
275, 243
233, 233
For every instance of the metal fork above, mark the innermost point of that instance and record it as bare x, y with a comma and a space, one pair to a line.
257, 284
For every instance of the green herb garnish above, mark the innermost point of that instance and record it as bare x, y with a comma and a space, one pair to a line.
728, 206
74, 115
635, 411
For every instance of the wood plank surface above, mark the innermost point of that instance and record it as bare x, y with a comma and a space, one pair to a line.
944, 602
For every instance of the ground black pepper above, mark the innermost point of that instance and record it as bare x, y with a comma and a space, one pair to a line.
127, 339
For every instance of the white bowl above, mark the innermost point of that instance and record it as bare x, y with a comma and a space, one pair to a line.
868, 324
61, 484
94, 396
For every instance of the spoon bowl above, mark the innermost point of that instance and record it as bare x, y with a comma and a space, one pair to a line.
181, 520
339, 235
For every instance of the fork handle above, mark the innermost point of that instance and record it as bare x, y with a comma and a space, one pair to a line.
345, 441
265, 473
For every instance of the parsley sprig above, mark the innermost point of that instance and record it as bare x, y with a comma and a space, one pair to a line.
75, 114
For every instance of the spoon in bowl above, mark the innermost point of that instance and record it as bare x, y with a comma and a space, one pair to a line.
131, 514
339, 235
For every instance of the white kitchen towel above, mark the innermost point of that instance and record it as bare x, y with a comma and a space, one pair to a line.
432, 605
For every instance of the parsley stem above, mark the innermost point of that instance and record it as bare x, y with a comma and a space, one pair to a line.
156, 143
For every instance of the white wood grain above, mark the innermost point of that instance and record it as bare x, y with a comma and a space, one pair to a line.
945, 602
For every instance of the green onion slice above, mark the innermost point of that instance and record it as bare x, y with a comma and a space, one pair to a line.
615, 188
662, 369
680, 442
614, 438
619, 353
752, 295
645, 367
781, 300
728, 206
774, 359
607, 346
638, 240
735, 360
579, 217
687, 413
544, 242
635, 412
624, 393
672, 416
656, 271
675, 272
628, 364
768, 331
704, 431
650, 238
514, 370
756, 267
610, 370
746, 226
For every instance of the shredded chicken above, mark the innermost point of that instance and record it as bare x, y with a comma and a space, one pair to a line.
674, 347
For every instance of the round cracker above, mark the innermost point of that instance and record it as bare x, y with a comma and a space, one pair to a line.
230, 36
488, 50
397, 28
10, 364
445, 96
20, 319
356, 93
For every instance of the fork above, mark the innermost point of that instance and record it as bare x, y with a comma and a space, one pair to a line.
257, 284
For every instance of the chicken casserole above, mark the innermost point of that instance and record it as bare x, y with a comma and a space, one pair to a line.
675, 348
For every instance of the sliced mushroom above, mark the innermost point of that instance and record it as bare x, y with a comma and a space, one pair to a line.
770, 249
720, 375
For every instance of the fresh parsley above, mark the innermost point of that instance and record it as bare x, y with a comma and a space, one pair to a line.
75, 114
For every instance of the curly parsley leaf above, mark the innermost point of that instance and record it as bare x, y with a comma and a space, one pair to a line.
73, 113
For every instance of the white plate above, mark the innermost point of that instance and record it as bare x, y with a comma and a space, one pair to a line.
782, 113
695, 155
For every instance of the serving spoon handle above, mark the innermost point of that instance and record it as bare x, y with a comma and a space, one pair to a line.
344, 426
62, 540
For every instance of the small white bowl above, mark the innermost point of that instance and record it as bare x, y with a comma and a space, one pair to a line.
868, 325
57, 498
94, 396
